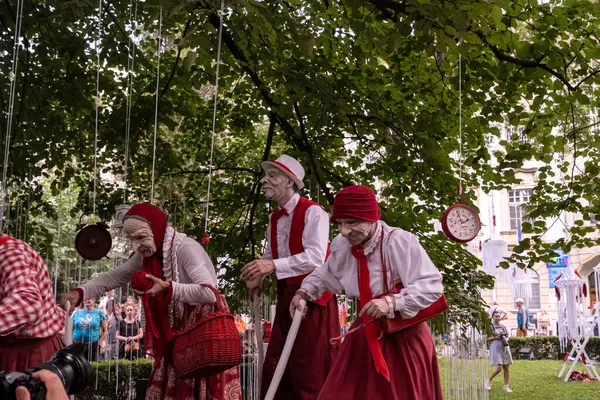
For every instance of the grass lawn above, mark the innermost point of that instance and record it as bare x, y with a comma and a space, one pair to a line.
537, 380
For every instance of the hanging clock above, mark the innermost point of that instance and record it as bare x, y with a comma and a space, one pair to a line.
461, 223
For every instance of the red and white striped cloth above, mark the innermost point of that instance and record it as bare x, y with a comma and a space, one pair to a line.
27, 305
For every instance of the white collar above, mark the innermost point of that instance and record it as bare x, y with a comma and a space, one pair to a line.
292, 203
373, 242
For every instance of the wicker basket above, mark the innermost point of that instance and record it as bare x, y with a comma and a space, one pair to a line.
210, 346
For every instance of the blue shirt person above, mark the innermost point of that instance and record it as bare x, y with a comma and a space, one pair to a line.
89, 326
522, 318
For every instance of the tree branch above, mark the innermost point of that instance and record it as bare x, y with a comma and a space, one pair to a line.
262, 87
206, 171
179, 49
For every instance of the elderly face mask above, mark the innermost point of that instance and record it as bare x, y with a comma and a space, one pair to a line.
355, 230
140, 235
275, 183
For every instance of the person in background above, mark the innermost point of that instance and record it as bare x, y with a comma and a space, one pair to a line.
31, 323
112, 344
108, 301
90, 328
129, 334
496, 307
500, 356
522, 318
239, 323
544, 323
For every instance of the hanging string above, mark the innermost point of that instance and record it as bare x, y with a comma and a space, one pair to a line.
11, 105
460, 181
214, 121
97, 45
56, 256
130, 77
156, 105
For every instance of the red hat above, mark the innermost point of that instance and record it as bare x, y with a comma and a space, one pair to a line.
355, 202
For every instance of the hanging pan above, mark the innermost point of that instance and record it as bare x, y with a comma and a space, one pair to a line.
93, 241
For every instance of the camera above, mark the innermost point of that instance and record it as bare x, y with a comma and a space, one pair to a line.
504, 339
69, 364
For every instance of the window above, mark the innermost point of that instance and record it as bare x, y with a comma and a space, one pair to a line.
516, 199
527, 286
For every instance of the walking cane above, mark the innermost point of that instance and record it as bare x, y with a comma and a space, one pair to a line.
68, 335
285, 354
259, 337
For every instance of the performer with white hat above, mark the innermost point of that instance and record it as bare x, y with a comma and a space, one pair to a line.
297, 243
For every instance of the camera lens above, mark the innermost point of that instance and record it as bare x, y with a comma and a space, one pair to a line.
72, 368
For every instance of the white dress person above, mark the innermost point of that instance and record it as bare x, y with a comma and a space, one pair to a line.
499, 353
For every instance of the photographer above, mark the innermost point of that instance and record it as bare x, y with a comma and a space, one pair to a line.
31, 323
500, 356
54, 387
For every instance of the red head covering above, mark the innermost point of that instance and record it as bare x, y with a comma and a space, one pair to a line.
355, 202
158, 334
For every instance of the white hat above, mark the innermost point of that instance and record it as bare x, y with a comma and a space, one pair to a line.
519, 300
289, 166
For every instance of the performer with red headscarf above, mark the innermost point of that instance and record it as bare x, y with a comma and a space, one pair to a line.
297, 241
174, 268
366, 256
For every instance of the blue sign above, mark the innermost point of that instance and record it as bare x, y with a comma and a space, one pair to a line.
553, 273
557, 267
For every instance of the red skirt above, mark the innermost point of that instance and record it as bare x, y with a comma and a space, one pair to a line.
312, 356
18, 355
163, 385
410, 356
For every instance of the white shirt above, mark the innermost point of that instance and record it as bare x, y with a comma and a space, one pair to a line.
315, 239
406, 262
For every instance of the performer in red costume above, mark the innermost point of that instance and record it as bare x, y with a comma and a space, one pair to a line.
31, 323
297, 237
171, 271
367, 259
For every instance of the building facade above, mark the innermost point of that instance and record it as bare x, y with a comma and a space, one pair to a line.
536, 285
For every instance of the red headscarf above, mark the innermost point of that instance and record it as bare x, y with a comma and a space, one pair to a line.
158, 334
355, 202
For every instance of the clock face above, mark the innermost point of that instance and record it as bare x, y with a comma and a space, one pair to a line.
461, 223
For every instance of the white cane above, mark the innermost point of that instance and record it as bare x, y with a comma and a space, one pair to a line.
285, 354
259, 337
68, 335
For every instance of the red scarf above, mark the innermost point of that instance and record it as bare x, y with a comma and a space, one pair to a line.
158, 335
373, 331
